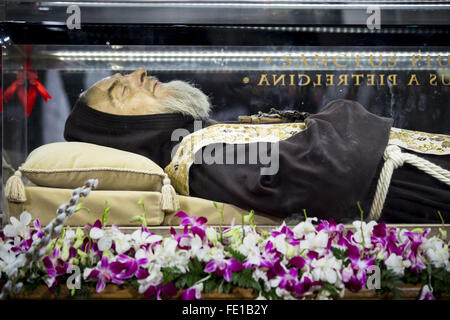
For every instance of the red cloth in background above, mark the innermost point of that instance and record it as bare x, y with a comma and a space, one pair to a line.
26, 99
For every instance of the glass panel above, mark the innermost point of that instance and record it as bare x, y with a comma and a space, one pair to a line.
409, 84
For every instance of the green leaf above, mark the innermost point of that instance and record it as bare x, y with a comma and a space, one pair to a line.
209, 285
244, 279
170, 274
195, 266
137, 219
106, 210
271, 294
440, 278
390, 282
184, 280
331, 289
235, 254
227, 287
191, 279
339, 253
220, 288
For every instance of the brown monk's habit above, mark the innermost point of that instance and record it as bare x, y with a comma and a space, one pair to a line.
325, 169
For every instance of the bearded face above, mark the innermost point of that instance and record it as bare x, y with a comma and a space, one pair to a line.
139, 94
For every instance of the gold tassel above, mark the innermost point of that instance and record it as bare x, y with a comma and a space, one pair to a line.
14, 188
169, 199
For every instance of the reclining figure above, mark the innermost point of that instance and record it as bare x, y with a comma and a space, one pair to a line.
332, 164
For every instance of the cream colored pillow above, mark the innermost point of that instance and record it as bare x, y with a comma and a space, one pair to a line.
71, 164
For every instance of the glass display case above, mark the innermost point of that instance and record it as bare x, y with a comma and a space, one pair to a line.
248, 57
240, 149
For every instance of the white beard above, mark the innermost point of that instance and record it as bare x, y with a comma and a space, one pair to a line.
186, 99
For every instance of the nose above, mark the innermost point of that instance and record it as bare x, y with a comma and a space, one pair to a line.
139, 75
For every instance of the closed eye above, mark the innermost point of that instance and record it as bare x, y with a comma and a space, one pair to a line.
110, 89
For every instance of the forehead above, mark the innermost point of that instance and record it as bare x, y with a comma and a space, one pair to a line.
106, 83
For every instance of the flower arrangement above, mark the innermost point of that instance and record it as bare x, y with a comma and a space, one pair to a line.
313, 259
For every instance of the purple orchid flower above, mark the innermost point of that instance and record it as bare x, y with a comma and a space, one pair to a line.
97, 224
91, 246
198, 226
72, 253
311, 255
269, 256
126, 267
346, 239
55, 268
145, 231
355, 276
104, 273
427, 293
334, 230
35, 234
417, 239
305, 285
330, 226
193, 293
379, 230
180, 236
288, 278
142, 273
288, 233
23, 246
354, 254
393, 244
224, 267
412, 252
168, 290
297, 262
354, 283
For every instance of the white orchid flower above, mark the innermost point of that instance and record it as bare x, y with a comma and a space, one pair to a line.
437, 252
251, 249
250, 245
69, 236
166, 255
154, 278
284, 294
104, 241
303, 228
397, 264
315, 242
280, 243
106, 237
122, 241
141, 238
18, 227
10, 262
259, 274
367, 229
198, 249
326, 269
211, 234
